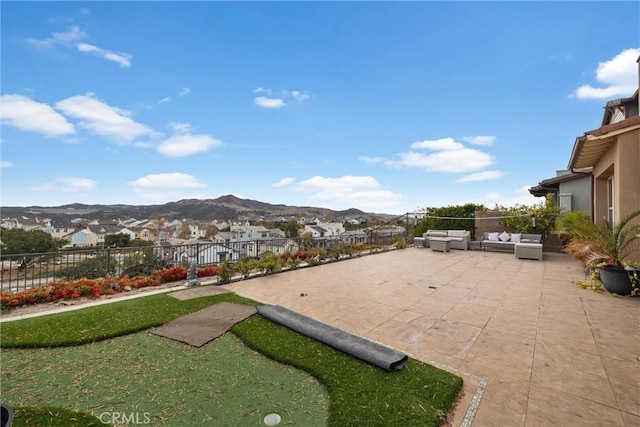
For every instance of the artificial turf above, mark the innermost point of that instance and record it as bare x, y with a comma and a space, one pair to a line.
359, 394
105, 321
147, 377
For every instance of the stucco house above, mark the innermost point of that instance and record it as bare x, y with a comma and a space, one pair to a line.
571, 190
613, 153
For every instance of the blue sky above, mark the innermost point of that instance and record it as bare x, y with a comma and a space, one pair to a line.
382, 106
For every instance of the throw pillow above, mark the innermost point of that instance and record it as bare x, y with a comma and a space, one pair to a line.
504, 237
493, 237
515, 237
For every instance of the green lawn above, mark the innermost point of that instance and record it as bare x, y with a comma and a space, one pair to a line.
150, 374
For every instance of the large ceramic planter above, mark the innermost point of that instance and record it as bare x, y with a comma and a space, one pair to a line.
616, 281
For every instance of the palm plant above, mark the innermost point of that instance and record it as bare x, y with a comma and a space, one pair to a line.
605, 242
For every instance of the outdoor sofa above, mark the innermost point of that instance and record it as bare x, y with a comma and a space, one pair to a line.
507, 241
458, 239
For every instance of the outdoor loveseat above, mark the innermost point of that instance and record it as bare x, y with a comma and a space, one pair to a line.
507, 241
458, 239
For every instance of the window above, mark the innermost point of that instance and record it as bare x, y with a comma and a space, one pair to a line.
610, 199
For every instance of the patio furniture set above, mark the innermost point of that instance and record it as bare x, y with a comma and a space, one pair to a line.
523, 245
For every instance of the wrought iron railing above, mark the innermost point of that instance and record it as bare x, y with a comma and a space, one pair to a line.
23, 271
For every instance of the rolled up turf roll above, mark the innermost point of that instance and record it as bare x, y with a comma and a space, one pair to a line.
372, 352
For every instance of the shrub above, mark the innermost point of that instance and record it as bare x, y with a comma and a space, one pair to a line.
72, 289
225, 272
174, 274
207, 271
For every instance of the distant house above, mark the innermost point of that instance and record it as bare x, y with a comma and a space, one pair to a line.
354, 237
82, 238
276, 233
316, 231
571, 190
245, 233
325, 230
25, 223
205, 253
274, 246
144, 233
385, 233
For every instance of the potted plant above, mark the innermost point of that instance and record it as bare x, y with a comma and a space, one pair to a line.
605, 247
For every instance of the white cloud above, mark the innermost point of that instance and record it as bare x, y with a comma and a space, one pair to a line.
521, 196
103, 119
5, 164
122, 59
185, 91
448, 156
619, 77
72, 38
267, 100
185, 144
68, 185
368, 159
264, 102
444, 144
181, 128
283, 182
346, 190
66, 38
300, 96
482, 176
165, 186
484, 140
450, 161
163, 100
26, 114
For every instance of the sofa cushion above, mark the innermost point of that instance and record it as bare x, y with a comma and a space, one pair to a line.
504, 237
457, 233
515, 237
493, 237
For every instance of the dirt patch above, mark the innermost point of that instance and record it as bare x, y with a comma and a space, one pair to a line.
201, 327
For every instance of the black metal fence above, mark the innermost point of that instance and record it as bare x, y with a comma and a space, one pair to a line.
23, 271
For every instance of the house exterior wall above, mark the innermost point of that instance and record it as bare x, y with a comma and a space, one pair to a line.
622, 161
580, 190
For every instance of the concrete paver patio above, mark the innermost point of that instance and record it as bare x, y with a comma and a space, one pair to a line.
534, 348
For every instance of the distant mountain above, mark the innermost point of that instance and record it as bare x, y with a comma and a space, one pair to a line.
226, 207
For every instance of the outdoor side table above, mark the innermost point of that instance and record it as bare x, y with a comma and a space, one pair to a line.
528, 250
440, 244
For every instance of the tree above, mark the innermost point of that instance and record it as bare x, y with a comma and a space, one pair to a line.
520, 217
211, 230
90, 268
118, 240
18, 241
185, 231
157, 223
459, 217
292, 229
